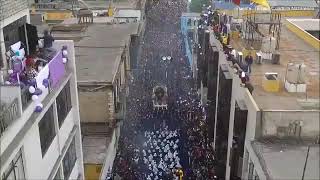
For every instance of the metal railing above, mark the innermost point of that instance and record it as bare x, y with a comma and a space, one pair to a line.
8, 114
25, 98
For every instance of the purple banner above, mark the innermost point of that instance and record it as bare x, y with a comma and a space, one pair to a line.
56, 69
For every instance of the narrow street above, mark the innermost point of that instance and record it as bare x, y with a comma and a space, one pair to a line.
155, 142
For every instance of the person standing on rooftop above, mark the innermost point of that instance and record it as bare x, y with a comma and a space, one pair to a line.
47, 39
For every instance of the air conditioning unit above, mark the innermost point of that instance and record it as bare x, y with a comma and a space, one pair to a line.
240, 57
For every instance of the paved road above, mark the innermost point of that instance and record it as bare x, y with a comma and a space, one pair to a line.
153, 144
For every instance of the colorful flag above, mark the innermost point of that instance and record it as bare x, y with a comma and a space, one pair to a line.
252, 5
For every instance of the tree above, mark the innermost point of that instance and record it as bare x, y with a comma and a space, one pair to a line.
196, 5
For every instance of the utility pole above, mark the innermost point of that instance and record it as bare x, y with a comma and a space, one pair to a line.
305, 163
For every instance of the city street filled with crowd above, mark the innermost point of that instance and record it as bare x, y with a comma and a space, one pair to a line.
168, 143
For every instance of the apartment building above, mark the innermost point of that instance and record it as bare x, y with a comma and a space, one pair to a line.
266, 127
39, 117
106, 54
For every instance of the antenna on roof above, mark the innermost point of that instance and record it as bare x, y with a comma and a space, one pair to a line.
305, 163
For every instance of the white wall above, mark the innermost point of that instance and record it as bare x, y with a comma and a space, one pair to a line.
37, 167
110, 153
253, 110
257, 167
241, 94
237, 95
75, 171
66, 129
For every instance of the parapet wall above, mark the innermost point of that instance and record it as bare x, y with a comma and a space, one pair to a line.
299, 124
302, 33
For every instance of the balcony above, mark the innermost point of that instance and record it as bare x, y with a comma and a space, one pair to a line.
15, 99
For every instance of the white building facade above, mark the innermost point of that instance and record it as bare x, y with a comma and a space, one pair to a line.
43, 144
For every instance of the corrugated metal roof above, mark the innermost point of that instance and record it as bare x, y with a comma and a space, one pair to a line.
293, 3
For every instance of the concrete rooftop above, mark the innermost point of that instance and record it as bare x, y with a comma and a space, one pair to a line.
286, 161
94, 149
307, 24
98, 49
96, 138
292, 49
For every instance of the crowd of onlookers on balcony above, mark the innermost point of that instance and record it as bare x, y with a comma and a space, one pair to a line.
220, 24
35, 67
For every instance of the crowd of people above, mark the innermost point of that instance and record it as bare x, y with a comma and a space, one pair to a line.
172, 143
161, 153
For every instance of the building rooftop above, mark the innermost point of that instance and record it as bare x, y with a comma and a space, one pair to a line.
306, 24
94, 149
292, 49
97, 49
285, 160
102, 4
293, 3
96, 138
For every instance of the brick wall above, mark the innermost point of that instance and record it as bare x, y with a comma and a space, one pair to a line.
11, 7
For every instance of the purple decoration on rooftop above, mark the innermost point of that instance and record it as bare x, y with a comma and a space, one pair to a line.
38, 109
32, 82
45, 83
56, 69
38, 92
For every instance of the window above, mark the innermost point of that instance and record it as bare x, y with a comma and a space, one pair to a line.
256, 177
64, 103
14, 32
1, 59
69, 160
47, 130
251, 167
58, 175
16, 169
